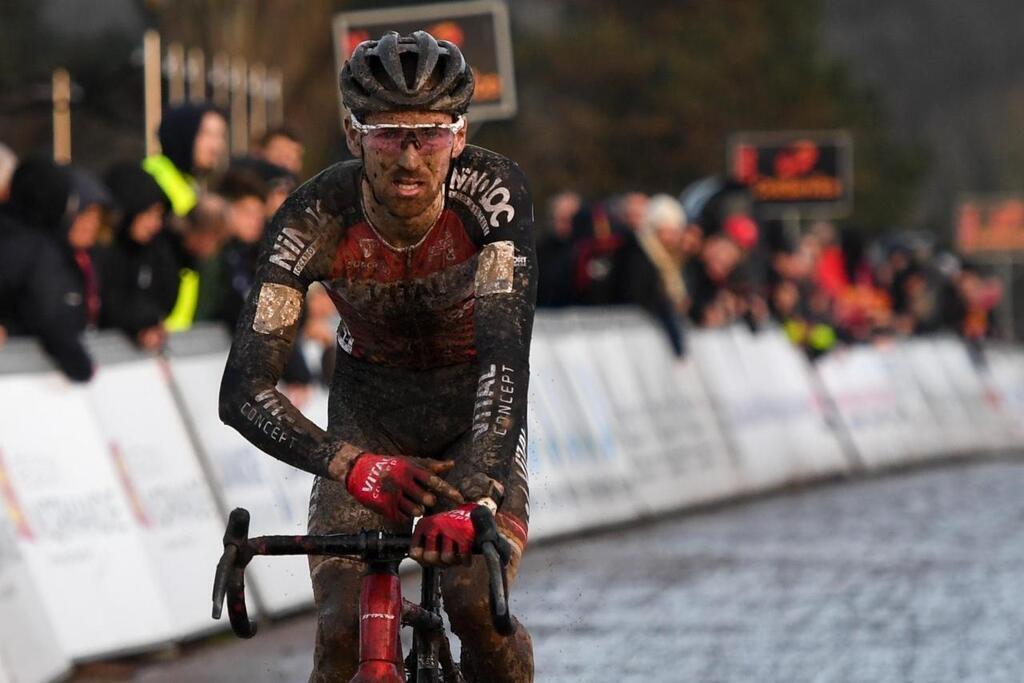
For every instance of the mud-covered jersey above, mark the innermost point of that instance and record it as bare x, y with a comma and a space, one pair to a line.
464, 294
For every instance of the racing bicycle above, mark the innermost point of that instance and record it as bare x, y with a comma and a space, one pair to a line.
382, 609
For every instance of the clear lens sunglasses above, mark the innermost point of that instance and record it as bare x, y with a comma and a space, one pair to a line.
393, 137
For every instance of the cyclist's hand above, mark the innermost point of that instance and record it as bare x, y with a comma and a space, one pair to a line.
397, 486
444, 539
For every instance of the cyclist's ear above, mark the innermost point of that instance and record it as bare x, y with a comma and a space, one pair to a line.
460, 140
352, 139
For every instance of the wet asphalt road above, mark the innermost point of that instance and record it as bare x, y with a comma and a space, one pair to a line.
917, 576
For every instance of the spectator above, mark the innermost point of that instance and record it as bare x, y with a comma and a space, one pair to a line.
648, 270
139, 272
279, 181
199, 290
245, 193
47, 283
193, 140
8, 162
281, 147
554, 251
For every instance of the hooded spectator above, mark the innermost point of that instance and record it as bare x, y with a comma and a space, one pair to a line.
8, 162
193, 140
47, 284
139, 272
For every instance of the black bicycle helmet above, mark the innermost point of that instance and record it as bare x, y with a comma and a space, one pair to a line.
401, 73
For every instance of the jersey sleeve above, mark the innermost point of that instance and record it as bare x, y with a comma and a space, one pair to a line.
295, 252
505, 291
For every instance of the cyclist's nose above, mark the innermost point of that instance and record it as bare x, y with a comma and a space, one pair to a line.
410, 157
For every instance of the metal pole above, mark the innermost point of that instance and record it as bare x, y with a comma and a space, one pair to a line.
239, 107
257, 101
175, 74
219, 80
61, 93
275, 97
151, 70
196, 75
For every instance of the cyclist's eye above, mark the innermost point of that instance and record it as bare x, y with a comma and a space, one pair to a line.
390, 134
433, 134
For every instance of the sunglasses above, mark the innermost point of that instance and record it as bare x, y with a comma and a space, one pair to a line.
393, 137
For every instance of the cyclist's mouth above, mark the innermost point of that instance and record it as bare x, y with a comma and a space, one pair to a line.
407, 187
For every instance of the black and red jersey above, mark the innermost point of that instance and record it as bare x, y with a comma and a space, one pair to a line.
463, 295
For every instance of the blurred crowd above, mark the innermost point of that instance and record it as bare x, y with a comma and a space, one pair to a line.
146, 247
155, 246
704, 259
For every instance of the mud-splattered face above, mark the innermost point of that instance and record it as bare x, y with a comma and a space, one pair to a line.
408, 180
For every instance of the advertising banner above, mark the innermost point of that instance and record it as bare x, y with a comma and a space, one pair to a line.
163, 480
808, 172
75, 527
479, 29
242, 475
991, 225
600, 476
29, 650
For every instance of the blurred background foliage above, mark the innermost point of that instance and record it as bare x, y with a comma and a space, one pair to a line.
613, 94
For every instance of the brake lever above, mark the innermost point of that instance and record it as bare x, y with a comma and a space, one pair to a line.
497, 552
229, 580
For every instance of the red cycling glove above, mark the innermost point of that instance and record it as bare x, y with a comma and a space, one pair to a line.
397, 486
448, 533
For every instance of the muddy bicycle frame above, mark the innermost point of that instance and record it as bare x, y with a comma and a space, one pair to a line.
382, 609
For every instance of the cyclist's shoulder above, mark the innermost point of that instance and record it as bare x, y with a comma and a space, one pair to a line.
483, 160
491, 188
333, 190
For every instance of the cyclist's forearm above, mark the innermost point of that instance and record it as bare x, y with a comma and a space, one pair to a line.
499, 416
251, 403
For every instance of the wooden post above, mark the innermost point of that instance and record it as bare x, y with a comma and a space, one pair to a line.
175, 74
275, 97
61, 92
220, 80
196, 75
257, 101
239, 107
151, 70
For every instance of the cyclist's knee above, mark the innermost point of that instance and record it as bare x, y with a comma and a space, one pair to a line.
336, 584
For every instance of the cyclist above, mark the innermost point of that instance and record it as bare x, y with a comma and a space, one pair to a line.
425, 245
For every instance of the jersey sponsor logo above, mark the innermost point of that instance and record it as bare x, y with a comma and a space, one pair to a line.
294, 248
485, 196
493, 408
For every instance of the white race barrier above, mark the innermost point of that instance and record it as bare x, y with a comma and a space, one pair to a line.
593, 467
77, 534
117, 523
922, 356
1005, 375
162, 478
242, 475
765, 458
991, 428
865, 396
664, 419
29, 652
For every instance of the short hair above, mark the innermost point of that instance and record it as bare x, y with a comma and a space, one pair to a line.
208, 216
239, 183
278, 131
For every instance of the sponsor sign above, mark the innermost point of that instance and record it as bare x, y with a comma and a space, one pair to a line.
479, 29
786, 171
993, 224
